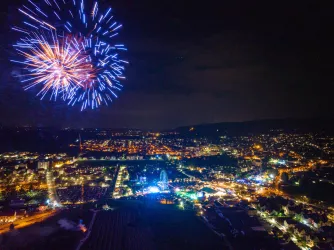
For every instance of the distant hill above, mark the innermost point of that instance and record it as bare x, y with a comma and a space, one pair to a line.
321, 125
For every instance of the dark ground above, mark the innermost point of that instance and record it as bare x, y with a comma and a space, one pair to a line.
47, 235
137, 226
130, 225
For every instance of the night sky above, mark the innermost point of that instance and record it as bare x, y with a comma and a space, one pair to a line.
196, 62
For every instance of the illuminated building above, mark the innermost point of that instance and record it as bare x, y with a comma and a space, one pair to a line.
43, 165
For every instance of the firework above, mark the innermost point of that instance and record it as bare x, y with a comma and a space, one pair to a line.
59, 66
67, 51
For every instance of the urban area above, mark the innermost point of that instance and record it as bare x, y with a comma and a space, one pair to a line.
119, 189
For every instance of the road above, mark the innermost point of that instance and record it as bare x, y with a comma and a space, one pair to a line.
114, 181
82, 241
52, 192
27, 221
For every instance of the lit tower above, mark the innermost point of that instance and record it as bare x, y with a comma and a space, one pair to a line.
163, 180
82, 191
80, 145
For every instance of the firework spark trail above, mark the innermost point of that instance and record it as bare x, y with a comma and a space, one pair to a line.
69, 53
60, 67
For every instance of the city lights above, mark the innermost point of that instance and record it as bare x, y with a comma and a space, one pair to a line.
229, 180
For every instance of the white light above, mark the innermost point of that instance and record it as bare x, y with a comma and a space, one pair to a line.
153, 190
200, 194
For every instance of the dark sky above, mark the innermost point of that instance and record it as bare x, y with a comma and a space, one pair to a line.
198, 62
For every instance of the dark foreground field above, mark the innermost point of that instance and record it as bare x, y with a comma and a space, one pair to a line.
48, 235
142, 227
130, 225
